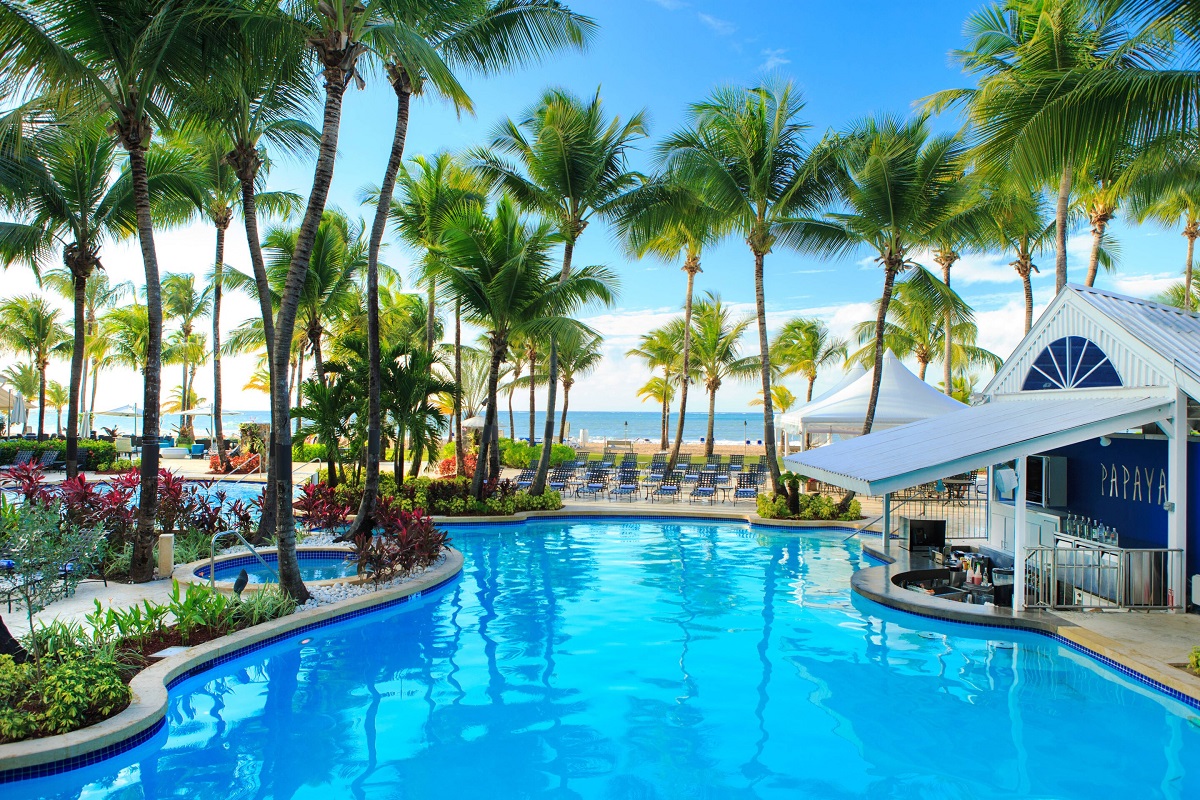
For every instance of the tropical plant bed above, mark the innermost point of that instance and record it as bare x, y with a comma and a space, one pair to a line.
328, 507
817, 507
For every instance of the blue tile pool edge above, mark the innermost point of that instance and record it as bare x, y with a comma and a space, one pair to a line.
58, 766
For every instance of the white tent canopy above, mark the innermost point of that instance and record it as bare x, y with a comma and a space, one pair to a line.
903, 398
791, 420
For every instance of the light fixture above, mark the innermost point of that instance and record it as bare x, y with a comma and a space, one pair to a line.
1105, 441
305, 641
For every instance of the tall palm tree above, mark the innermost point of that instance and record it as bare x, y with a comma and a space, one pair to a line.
744, 152
916, 327
568, 161
804, 346
1022, 225
483, 35
660, 349
718, 339
783, 400
579, 352
900, 185
62, 183
669, 219
323, 413
31, 327
1169, 195
661, 391
502, 273
185, 303
103, 58
126, 329
1062, 82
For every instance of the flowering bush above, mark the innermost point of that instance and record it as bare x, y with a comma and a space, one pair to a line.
238, 465
448, 467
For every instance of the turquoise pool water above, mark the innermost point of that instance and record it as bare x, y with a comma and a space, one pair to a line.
314, 566
609, 659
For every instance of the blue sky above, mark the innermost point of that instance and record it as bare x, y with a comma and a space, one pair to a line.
849, 59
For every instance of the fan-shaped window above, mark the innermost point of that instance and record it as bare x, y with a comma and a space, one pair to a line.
1071, 363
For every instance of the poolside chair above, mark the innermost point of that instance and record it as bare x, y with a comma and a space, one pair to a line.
712, 462
669, 487
560, 479
23, 458
692, 473
198, 451
628, 461
737, 463
747, 487
595, 483
706, 488
525, 479
51, 459
627, 485
723, 475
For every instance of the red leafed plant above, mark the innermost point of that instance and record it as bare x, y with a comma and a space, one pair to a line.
320, 507
448, 468
28, 478
247, 462
81, 501
403, 543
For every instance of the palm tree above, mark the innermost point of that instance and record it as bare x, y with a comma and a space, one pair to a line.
900, 186
668, 219
103, 58
1169, 195
1021, 224
803, 347
783, 400
323, 413
660, 348
126, 329
916, 327
570, 165
62, 182
1062, 82
57, 397
29, 326
1175, 296
184, 302
661, 391
502, 273
24, 380
718, 352
744, 152
579, 352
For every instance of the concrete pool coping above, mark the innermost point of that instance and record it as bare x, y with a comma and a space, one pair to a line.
150, 688
877, 584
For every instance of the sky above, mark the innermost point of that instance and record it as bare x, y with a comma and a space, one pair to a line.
850, 60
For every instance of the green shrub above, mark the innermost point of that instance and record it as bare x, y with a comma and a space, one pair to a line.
98, 452
518, 454
62, 697
302, 452
1194, 659
812, 507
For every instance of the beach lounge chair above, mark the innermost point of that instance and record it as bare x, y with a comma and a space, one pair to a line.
628, 461
669, 487
23, 458
706, 488
525, 479
51, 459
692, 473
595, 483
747, 486
712, 462
198, 451
737, 463
627, 485
560, 479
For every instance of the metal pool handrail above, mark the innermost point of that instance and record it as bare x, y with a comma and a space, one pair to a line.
212, 557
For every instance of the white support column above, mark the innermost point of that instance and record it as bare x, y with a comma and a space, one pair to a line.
1019, 540
1177, 495
887, 522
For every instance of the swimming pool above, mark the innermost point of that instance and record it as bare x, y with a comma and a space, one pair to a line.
639, 659
315, 565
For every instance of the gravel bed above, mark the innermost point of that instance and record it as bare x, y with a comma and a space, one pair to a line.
326, 595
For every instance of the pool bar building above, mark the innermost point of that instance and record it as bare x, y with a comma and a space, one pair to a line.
1086, 436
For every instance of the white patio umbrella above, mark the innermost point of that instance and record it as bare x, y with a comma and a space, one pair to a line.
475, 423
13, 405
207, 410
125, 411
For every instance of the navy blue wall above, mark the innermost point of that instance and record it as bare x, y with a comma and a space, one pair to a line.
1130, 505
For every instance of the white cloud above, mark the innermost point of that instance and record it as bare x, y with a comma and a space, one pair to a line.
720, 26
774, 58
1146, 286
670, 5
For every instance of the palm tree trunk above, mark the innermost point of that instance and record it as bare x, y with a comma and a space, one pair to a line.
183, 390
247, 172
712, 416
41, 433
760, 305
489, 420
398, 463
285, 323
1098, 227
460, 450
430, 315
539, 480
889, 280
811, 380
1027, 285
512, 419
76, 395
218, 429
91, 416
691, 267
364, 519
664, 442
141, 567
318, 357
58, 421
532, 395
922, 367
1191, 233
948, 342
1060, 230
562, 422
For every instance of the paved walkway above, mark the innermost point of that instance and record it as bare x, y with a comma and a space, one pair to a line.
1160, 635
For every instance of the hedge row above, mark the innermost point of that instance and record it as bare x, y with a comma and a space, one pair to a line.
100, 452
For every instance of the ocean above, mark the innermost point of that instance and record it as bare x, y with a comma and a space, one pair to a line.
730, 427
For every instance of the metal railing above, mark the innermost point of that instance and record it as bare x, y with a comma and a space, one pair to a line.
212, 556
1103, 577
963, 507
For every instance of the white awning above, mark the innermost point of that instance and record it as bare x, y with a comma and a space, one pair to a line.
973, 438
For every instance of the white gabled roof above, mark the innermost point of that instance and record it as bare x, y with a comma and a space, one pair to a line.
1149, 344
975, 437
791, 420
